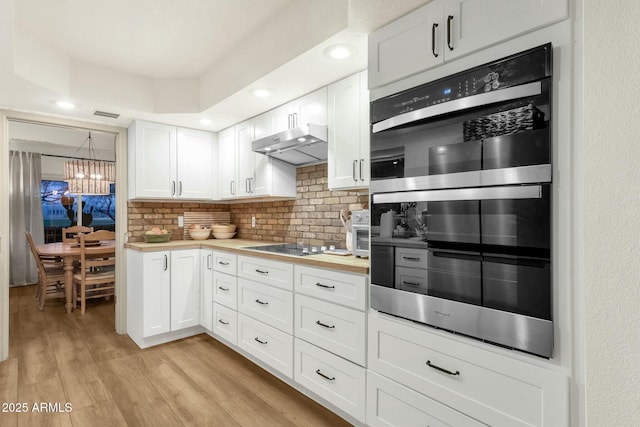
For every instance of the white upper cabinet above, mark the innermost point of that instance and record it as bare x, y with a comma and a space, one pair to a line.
311, 108
348, 160
227, 163
244, 173
166, 162
445, 29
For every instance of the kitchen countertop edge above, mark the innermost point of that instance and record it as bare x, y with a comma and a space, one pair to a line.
238, 246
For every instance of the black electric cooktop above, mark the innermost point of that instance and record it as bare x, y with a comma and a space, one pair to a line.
285, 249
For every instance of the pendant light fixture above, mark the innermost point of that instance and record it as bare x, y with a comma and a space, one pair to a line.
89, 176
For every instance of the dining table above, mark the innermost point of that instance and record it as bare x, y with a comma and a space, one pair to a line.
69, 252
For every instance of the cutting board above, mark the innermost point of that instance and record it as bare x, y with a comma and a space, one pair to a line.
204, 218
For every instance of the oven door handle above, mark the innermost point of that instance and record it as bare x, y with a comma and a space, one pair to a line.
482, 193
462, 104
505, 259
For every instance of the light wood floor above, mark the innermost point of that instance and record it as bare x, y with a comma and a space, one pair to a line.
109, 381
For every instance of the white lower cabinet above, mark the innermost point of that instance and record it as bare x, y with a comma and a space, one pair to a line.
268, 344
486, 386
225, 323
225, 290
392, 404
267, 304
333, 378
338, 329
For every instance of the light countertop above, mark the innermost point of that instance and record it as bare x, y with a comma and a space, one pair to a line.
348, 263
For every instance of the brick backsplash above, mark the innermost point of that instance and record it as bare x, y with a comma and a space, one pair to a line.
313, 217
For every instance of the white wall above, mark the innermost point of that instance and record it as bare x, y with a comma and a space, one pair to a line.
612, 211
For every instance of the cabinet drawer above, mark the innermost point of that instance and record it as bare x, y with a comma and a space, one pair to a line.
273, 347
332, 378
225, 323
410, 257
267, 304
486, 386
225, 290
274, 273
391, 404
333, 286
225, 262
411, 279
337, 329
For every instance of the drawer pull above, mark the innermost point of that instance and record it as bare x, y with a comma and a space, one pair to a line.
223, 322
410, 283
261, 271
324, 325
325, 286
261, 342
446, 371
262, 302
223, 263
411, 258
223, 289
325, 376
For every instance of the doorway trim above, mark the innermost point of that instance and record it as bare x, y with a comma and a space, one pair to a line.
7, 116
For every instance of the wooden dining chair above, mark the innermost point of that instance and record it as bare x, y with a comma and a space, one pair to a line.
96, 277
50, 275
69, 234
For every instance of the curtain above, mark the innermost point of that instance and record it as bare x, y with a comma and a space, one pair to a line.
25, 205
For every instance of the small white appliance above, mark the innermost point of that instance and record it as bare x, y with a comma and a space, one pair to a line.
360, 233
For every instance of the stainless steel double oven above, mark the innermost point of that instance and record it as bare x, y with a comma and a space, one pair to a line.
463, 165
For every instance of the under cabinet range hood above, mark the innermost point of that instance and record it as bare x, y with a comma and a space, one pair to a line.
299, 146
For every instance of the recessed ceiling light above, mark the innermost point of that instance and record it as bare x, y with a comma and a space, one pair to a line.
66, 105
205, 122
339, 51
261, 93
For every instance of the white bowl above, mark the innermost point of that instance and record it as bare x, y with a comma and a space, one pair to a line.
223, 228
219, 235
199, 233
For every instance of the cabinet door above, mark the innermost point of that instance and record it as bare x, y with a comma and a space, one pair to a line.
365, 131
195, 164
282, 117
405, 47
154, 162
185, 289
311, 108
344, 133
246, 162
227, 163
206, 289
156, 293
476, 24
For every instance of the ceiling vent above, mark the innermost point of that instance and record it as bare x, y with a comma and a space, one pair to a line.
106, 114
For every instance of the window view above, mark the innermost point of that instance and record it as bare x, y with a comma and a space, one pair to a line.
60, 209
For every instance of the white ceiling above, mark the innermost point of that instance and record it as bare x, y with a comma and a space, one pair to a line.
177, 61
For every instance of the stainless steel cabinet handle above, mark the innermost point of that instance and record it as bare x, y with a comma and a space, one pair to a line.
361, 162
223, 322
325, 286
411, 258
324, 325
209, 262
223, 263
433, 39
246, 185
262, 302
262, 271
173, 188
261, 342
223, 289
166, 262
354, 170
410, 283
449, 19
325, 376
446, 371
179, 188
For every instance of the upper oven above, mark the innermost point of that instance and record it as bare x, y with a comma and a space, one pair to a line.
461, 191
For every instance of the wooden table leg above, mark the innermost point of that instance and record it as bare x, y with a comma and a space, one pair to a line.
68, 283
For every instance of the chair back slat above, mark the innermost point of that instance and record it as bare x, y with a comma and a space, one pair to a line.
69, 233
